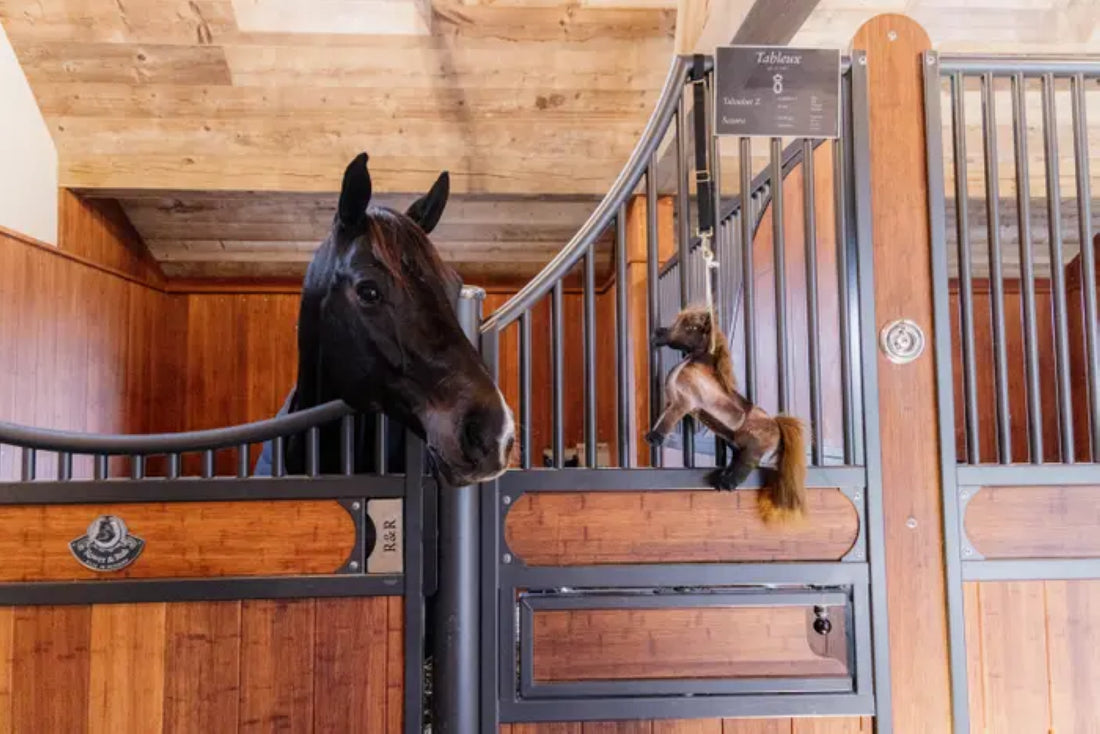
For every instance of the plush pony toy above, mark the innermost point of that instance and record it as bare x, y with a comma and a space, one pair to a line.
703, 385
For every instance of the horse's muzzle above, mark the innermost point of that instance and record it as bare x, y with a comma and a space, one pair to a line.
660, 337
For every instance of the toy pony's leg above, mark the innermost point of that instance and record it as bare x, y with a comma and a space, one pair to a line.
673, 414
745, 456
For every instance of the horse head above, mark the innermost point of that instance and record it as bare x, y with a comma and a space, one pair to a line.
377, 329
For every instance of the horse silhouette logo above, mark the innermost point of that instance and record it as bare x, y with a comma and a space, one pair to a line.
107, 545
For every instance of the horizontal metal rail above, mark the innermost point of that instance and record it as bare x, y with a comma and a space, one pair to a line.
1059, 65
44, 439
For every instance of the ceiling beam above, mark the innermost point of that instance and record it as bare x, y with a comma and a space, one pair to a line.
701, 26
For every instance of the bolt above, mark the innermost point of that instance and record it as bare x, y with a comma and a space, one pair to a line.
964, 495
506, 499
507, 557
892, 35
911, 523
355, 505
353, 565
863, 61
823, 626
857, 497
931, 59
968, 551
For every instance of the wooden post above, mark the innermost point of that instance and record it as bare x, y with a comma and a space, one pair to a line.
907, 393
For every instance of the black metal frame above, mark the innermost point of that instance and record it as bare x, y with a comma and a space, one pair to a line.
963, 476
512, 592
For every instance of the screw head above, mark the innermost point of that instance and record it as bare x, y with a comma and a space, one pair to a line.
506, 499
863, 61
892, 35
911, 523
353, 565
356, 505
823, 626
857, 497
968, 551
507, 558
930, 59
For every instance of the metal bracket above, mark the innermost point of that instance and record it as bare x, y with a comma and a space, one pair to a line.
857, 496
357, 558
966, 548
902, 341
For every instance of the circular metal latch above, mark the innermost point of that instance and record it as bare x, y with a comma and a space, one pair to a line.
901, 341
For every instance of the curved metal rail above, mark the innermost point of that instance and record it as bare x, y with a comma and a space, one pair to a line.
42, 439
623, 187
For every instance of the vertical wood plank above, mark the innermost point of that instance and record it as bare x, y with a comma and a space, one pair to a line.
277, 654
1014, 656
50, 669
126, 676
974, 674
556, 727
910, 442
688, 726
202, 667
7, 616
349, 681
617, 727
395, 664
756, 726
1073, 634
829, 725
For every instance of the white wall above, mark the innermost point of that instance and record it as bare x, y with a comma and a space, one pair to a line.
28, 158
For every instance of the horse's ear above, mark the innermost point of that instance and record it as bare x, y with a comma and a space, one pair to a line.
427, 210
355, 192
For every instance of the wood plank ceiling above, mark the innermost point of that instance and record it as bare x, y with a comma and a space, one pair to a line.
223, 126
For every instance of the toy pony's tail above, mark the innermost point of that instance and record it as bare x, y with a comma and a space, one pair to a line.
785, 498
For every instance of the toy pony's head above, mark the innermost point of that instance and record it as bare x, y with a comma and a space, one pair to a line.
689, 333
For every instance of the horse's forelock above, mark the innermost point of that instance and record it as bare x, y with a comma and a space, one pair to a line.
403, 248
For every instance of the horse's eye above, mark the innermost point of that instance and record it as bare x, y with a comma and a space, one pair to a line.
367, 291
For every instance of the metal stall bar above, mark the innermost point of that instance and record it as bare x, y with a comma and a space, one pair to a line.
996, 275
748, 273
844, 287
779, 255
945, 395
489, 674
1088, 256
1027, 270
683, 242
1057, 270
455, 609
525, 389
966, 286
813, 336
623, 363
653, 310
557, 351
857, 134
591, 444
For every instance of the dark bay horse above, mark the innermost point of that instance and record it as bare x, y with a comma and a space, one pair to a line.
377, 329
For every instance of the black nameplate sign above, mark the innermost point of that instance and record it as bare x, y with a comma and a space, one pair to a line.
776, 91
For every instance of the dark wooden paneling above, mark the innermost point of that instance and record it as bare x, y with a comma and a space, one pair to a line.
202, 667
183, 539
277, 666
666, 527
350, 672
920, 689
670, 643
99, 231
50, 666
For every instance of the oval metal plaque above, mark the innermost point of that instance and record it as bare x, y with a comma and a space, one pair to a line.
901, 341
107, 545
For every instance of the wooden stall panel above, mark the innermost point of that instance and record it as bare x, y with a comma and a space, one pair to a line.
308, 665
838, 725
606, 644
670, 527
196, 539
1034, 522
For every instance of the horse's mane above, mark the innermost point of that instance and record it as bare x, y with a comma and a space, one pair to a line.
722, 360
403, 248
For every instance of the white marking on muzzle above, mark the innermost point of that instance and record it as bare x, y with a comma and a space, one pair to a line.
508, 431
